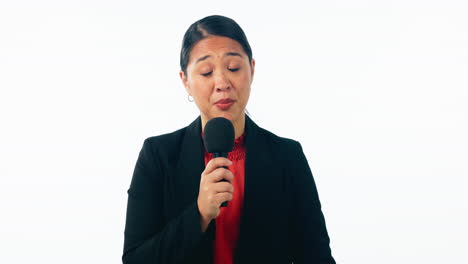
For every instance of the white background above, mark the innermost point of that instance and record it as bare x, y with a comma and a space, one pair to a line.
375, 91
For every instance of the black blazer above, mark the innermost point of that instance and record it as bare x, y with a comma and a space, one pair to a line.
281, 219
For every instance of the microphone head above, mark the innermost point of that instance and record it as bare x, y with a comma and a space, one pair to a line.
219, 135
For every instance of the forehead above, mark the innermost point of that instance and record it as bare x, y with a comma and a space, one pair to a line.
215, 46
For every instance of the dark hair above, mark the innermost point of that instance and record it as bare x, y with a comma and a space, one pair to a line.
215, 26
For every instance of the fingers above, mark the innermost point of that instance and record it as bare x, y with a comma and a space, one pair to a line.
217, 174
220, 174
215, 187
215, 163
221, 187
223, 197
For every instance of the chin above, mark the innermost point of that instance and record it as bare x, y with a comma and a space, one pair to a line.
231, 116
227, 115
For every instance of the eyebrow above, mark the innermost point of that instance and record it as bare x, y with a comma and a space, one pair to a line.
225, 54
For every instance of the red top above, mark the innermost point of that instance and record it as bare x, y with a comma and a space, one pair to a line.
227, 222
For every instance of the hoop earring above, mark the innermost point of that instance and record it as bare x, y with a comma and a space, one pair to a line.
188, 98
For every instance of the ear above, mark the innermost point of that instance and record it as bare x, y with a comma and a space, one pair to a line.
252, 68
185, 82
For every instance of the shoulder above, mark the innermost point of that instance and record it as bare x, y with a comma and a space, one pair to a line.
284, 144
165, 143
286, 153
167, 140
173, 140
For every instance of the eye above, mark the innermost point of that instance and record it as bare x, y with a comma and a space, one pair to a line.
206, 74
234, 69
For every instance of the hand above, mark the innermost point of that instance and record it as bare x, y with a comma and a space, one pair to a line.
213, 192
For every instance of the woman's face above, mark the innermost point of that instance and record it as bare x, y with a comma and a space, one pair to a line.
218, 78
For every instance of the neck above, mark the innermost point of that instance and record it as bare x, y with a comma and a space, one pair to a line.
239, 125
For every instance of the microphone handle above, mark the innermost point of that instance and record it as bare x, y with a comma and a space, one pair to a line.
224, 155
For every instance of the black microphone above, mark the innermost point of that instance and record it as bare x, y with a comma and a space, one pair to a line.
219, 139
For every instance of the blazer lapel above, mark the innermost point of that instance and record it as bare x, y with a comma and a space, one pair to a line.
260, 178
189, 166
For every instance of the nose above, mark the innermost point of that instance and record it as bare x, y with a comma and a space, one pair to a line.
222, 83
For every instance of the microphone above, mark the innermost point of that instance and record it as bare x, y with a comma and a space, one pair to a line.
219, 139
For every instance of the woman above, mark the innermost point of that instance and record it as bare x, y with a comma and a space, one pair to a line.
173, 212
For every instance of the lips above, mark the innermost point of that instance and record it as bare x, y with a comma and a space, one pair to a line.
225, 101
224, 104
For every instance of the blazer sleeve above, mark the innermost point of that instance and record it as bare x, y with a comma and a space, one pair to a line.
148, 238
310, 237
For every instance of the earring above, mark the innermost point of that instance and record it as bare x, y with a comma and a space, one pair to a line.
188, 98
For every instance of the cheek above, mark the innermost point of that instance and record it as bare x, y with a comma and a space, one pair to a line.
200, 88
243, 83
